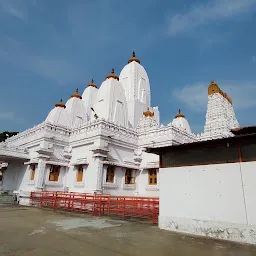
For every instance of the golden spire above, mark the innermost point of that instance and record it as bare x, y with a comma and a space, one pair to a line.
148, 113
60, 104
76, 95
92, 84
112, 75
133, 58
214, 88
179, 114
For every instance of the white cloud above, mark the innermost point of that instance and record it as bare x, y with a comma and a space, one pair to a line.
6, 116
195, 96
13, 9
204, 13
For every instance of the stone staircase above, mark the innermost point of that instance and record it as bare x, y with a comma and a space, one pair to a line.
6, 198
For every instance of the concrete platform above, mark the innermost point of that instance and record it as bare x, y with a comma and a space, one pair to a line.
32, 231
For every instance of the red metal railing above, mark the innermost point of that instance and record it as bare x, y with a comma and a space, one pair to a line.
99, 205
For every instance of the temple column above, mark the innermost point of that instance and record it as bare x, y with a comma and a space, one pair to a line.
99, 173
40, 173
100, 151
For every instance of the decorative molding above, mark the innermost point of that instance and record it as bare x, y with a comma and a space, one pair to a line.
150, 165
7, 151
100, 149
67, 152
79, 184
152, 188
129, 186
53, 183
121, 165
31, 182
80, 161
57, 163
32, 161
109, 185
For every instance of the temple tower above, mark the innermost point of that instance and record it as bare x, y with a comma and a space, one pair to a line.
220, 115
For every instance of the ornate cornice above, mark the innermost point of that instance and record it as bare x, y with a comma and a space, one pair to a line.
121, 164
56, 162
13, 152
80, 161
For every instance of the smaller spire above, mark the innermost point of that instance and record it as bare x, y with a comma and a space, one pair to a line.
92, 84
148, 113
76, 94
133, 58
179, 114
112, 75
60, 104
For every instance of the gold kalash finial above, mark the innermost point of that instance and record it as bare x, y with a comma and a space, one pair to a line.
133, 58
148, 113
179, 114
60, 104
76, 94
112, 75
92, 84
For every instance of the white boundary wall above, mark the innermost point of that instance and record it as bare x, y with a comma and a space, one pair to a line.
210, 200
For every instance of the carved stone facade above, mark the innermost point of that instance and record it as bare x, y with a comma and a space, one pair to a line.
82, 148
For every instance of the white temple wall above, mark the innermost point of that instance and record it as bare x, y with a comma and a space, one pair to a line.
249, 178
135, 112
54, 185
123, 156
144, 188
149, 161
120, 154
84, 155
14, 177
119, 188
210, 200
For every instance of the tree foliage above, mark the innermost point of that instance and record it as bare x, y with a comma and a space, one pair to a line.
6, 134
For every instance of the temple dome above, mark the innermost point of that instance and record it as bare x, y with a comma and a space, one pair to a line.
181, 122
135, 81
147, 122
110, 102
76, 110
59, 115
89, 97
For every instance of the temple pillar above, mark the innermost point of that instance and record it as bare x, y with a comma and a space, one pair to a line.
40, 173
100, 151
99, 170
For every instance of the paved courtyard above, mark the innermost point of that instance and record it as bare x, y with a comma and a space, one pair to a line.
33, 231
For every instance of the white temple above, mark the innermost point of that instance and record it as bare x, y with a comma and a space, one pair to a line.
96, 141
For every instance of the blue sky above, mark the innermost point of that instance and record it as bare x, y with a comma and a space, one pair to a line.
49, 48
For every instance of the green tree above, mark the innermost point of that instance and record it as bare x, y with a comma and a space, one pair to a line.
6, 134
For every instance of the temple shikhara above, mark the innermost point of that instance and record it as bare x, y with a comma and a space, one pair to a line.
96, 140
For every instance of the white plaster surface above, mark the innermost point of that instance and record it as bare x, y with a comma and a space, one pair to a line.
211, 200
